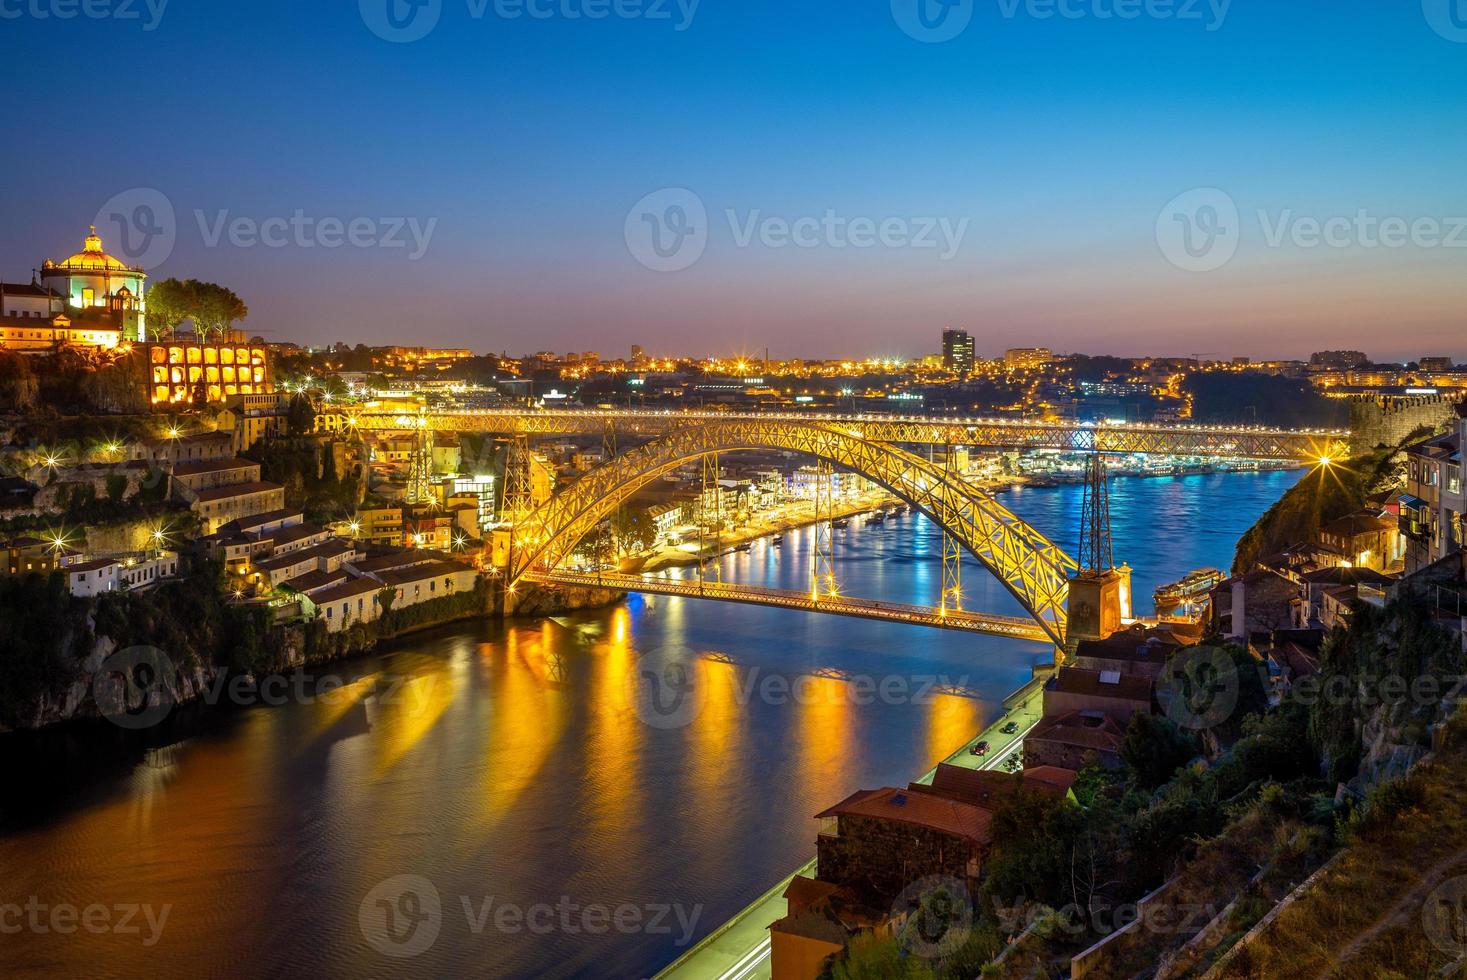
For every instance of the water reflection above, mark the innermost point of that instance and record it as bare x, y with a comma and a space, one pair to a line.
512, 761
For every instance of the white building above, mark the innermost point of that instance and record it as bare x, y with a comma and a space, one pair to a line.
91, 578
147, 570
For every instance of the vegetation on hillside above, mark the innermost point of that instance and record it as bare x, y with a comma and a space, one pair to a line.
1229, 836
1255, 398
48, 632
1326, 493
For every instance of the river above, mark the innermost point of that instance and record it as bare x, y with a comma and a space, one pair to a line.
514, 770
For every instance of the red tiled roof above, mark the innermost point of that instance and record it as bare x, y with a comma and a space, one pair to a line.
237, 490
89, 566
1078, 680
918, 809
346, 590
1076, 728
211, 466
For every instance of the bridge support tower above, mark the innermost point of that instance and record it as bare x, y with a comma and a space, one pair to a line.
822, 548
1099, 591
952, 559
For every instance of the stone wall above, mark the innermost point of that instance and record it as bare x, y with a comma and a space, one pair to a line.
1388, 420
879, 859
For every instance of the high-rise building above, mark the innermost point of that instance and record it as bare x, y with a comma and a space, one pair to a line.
1027, 358
1441, 364
1338, 360
957, 351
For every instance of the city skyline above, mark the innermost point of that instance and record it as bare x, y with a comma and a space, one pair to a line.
501, 169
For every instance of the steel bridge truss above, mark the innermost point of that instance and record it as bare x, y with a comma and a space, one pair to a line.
1242, 442
1030, 566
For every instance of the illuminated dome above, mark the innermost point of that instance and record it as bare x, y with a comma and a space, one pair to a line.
92, 257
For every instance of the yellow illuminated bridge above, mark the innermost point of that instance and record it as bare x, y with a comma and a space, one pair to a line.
1030, 566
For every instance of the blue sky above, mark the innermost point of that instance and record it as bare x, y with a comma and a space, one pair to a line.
1054, 142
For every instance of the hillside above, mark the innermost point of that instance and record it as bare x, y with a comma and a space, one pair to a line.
1324, 494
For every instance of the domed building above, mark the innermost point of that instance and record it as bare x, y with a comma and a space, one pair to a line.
91, 282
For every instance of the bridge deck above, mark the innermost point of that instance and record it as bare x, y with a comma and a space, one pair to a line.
1244, 442
1007, 626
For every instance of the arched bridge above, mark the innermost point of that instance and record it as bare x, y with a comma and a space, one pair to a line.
1030, 566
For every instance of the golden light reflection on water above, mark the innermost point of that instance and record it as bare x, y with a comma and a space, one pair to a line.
615, 740
951, 721
334, 705
718, 726
408, 710
526, 719
182, 810
825, 713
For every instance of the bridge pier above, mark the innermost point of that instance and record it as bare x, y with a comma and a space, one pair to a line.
1098, 601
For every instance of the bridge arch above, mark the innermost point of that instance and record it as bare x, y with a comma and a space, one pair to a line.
1032, 568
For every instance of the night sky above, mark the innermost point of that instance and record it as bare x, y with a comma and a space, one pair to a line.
525, 144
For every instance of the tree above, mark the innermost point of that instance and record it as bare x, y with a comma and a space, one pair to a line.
215, 308
633, 529
19, 388
300, 416
333, 388
169, 303
598, 545
1154, 749
873, 957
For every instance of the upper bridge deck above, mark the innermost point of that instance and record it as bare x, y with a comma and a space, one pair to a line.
1245, 442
